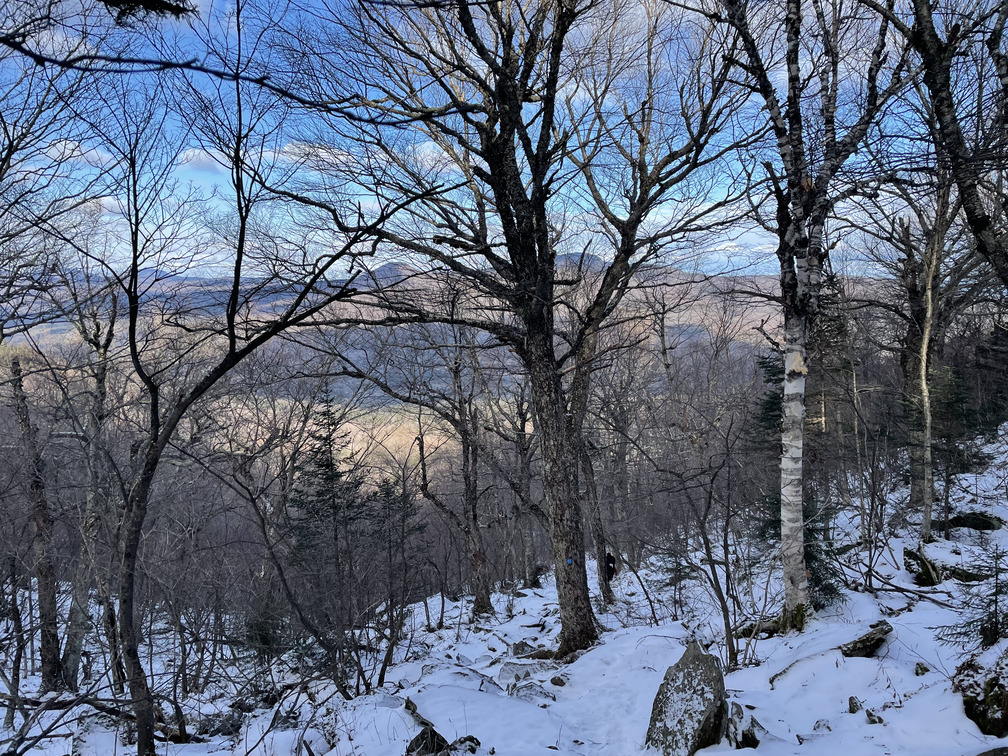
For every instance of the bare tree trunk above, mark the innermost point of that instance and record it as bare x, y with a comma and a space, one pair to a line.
925, 395
937, 56
719, 593
560, 460
920, 436
110, 626
129, 635
621, 486
523, 449
482, 604
528, 550
595, 526
801, 188
77, 621
19, 646
792, 481
45, 569
78, 618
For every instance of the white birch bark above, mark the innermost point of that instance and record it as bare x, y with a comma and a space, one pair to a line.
792, 481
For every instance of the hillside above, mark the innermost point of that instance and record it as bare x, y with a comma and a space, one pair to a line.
482, 679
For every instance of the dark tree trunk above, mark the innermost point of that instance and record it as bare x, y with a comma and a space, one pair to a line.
937, 56
19, 645
45, 569
482, 604
110, 626
560, 459
129, 632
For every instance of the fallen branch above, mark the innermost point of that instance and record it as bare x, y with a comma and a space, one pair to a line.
912, 592
103, 706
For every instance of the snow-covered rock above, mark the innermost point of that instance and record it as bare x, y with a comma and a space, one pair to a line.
983, 681
690, 709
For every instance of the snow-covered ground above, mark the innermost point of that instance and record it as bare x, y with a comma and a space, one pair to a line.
467, 678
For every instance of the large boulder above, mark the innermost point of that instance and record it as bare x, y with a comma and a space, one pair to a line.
690, 709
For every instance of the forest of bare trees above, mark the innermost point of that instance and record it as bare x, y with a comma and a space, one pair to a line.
313, 313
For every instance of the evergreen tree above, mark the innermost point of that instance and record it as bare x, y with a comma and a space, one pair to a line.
327, 513
985, 605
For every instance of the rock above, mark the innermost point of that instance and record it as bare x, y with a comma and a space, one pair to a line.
869, 643
921, 669
743, 729
420, 719
995, 752
531, 691
971, 520
467, 743
985, 693
558, 681
227, 724
542, 653
926, 573
521, 648
515, 671
428, 743
853, 705
90, 737
690, 709
873, 718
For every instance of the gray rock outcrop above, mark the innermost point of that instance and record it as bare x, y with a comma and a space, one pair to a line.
690, 709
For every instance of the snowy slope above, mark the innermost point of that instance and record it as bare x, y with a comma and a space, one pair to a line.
467, 678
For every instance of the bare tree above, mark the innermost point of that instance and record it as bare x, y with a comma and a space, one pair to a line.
969, 106
484, 115
434, 367
817, 122
45, 569
183, 335
918, 240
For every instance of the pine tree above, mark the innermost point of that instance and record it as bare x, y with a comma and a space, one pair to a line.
985, 605
327, 516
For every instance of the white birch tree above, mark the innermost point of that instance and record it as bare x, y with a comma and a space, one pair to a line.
820, 69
